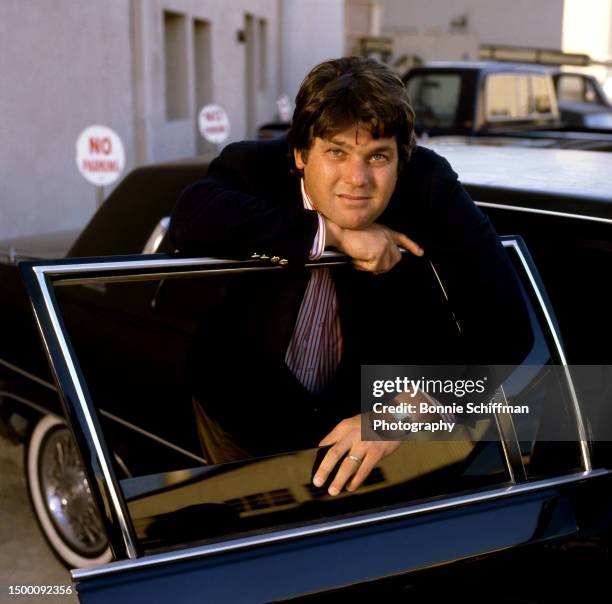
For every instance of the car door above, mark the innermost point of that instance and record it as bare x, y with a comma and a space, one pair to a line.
515, 493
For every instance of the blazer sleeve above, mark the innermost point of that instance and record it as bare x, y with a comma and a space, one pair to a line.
482, 285
248, 203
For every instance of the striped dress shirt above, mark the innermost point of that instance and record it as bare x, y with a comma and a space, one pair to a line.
315, 348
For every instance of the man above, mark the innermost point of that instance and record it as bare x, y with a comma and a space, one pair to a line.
348, 177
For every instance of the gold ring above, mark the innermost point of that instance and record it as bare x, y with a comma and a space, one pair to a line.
355, 458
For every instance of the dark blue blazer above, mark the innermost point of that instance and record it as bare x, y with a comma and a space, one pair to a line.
250, 202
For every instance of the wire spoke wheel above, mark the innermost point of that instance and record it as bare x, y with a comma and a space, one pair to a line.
61, 497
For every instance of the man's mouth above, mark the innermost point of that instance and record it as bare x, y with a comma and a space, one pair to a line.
354, 200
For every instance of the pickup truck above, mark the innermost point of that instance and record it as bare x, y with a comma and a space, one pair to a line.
508, 104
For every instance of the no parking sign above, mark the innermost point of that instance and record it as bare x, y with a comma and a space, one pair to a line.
214, 124
100, 156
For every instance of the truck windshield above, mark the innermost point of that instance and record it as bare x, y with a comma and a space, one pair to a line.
435, 98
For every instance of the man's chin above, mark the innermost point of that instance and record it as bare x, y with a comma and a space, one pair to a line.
354, 223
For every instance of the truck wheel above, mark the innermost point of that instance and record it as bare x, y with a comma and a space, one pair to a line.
61, 498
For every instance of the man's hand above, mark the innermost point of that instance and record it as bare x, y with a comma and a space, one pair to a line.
374, 248
360, 457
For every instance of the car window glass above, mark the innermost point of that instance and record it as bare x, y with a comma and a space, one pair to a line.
155, 347
435, 98
548, 433
540, 94
576, 89
517, 96
590, 95
570, 88
523, 97
501, 97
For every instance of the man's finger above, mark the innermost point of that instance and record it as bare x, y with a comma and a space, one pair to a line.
394, 255
348, 467
365, 265
383, 265
366, 466
331, 438
337, 433
406, 243
329, 462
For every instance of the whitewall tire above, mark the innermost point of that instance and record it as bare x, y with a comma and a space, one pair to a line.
61, 498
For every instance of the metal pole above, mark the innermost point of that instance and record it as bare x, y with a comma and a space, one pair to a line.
99, 196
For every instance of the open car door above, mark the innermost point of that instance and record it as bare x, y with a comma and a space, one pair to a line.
508, 501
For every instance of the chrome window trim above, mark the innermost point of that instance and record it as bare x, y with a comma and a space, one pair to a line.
156, 236
501, 206
582, 435
509, 442
297, 533
130, 546
72, 269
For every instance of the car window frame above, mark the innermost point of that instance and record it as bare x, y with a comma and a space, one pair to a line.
40, 279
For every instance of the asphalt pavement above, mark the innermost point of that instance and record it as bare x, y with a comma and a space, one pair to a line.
25, 557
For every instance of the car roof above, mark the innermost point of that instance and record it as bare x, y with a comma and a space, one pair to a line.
580, 179
489, 66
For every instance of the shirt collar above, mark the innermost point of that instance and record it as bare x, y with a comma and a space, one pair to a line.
305, 199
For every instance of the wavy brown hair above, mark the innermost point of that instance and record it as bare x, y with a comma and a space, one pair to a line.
351, 91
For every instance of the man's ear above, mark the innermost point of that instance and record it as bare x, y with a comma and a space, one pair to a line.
298, 158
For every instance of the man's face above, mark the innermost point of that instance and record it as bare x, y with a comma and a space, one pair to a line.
351, 176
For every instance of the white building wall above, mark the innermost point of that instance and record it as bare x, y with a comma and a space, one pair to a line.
166, 138
64, 65
68, 64
517, 23
587, 29
313, 31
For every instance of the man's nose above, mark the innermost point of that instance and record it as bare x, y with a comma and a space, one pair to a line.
356, 172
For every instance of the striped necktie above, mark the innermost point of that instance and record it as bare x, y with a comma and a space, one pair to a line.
315, 349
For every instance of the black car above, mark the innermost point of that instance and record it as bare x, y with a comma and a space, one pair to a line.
30, 408
582, 102
510, 500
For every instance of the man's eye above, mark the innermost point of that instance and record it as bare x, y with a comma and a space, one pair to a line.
335, 152
379, 157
